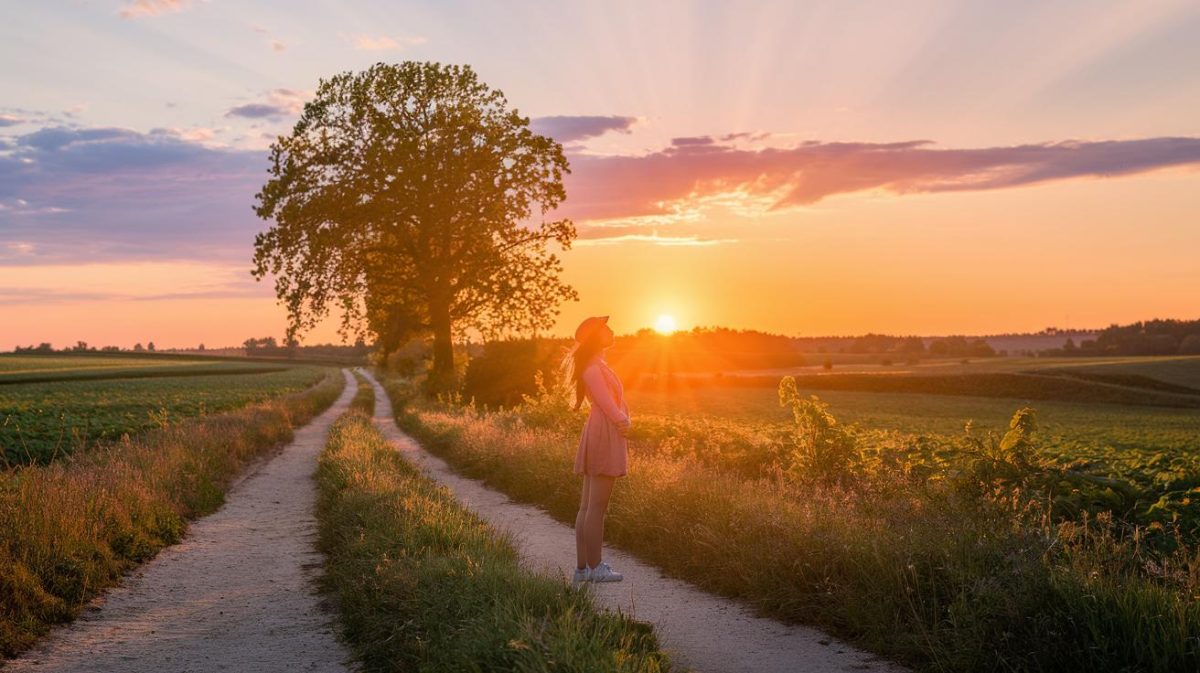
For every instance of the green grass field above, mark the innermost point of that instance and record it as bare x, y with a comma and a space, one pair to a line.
103, 398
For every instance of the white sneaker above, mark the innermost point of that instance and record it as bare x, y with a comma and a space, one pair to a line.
603, 573
581, 575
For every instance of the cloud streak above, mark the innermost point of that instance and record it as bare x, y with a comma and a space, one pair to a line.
384, 42
277, 103
143, 8
695, 168
566, 129
653, 239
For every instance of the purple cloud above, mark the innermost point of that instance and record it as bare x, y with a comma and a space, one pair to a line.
256, 111
692, 141
70, 194
567, 129
278, 103
604, 187
105, 194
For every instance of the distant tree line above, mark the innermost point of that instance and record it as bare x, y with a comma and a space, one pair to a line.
501, 371
269, 347
1150, 337
910, 347
83, 347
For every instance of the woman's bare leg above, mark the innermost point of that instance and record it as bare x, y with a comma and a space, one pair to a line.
580, 518
598, 491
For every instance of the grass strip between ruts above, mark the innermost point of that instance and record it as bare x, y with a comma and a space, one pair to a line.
422, 583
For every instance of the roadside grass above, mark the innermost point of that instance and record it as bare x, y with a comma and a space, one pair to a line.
901, 562
71, 529
423, 584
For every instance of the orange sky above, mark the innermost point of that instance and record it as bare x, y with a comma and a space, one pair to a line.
820, 169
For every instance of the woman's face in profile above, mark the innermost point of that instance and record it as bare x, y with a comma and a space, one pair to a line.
607, 338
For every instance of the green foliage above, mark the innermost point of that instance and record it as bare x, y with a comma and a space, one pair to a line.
410, 195
550, 407
1009, 461
504, 373
820, 449
423, 583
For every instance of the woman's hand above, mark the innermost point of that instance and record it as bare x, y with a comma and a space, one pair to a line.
624, 427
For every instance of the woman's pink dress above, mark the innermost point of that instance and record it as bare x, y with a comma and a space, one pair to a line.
602, 448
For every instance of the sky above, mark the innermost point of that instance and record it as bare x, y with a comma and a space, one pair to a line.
804, 168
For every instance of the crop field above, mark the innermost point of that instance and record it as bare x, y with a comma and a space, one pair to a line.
44, 369
1179, 370
104, 398
1154, 451
1176, 368
1072, 426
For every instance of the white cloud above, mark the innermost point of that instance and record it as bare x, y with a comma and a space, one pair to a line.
143, 8
384, 42
655, 239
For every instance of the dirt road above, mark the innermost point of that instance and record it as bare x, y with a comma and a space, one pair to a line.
237, 594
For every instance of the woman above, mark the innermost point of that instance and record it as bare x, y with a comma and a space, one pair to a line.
603, 453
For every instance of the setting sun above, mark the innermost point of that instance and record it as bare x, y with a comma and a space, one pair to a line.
665, 324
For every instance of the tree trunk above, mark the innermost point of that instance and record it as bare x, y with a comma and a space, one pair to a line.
442, 376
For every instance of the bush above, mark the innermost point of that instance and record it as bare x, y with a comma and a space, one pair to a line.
821, 449
504, 373
550, 407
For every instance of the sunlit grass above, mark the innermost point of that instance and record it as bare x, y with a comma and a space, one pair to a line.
906, 565
423, 583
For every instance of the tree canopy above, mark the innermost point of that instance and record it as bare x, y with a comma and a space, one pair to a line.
413, 198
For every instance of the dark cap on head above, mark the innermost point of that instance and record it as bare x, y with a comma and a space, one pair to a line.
588, 327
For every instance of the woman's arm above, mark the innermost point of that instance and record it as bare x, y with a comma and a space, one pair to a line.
593, 378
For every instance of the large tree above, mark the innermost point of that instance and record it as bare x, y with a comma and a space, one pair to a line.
411, 196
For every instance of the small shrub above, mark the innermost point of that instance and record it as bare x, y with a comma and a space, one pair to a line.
821, 448
549, 407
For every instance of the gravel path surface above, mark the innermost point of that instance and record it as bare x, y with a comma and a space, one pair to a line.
237, 594
707, 633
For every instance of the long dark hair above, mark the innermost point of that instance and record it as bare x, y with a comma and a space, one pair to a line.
577, 360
